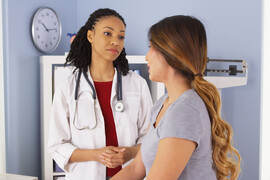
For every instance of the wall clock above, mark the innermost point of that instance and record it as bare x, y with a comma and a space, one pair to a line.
46, 29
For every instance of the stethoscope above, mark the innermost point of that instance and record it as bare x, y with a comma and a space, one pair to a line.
118, 107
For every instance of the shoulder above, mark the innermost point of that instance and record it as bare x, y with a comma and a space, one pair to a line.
188, 112
191, 101
134, 81
68, 83
133, 76
186, 118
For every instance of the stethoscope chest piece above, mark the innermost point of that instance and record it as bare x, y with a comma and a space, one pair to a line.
119, 107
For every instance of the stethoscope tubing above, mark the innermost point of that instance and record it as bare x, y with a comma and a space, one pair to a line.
119, 87
90, 84
77, 85
118, 107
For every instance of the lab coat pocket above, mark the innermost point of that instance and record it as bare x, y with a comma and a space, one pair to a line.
85, 115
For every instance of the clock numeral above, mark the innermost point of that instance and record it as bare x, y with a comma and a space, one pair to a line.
38, 36
39, 21
54, 23
47, 14
37, 29
42, 15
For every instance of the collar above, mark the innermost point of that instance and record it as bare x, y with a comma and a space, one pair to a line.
84, 86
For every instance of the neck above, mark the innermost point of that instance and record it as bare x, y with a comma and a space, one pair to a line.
101, 71
175, 86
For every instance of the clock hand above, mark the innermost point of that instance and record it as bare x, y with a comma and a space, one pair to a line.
52, 29
45, 27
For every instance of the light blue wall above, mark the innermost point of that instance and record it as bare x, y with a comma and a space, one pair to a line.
21, 62
234, 32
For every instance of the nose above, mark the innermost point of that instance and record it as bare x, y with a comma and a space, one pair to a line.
114, 41
146, 58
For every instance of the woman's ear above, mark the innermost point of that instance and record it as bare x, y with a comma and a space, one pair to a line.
90, 35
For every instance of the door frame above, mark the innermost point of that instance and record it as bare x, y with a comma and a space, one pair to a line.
265, 95
2, 97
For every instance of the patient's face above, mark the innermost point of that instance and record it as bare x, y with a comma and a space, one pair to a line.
158, 66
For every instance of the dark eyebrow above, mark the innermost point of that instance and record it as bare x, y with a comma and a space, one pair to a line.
112, 29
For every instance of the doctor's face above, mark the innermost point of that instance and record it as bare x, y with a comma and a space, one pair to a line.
158, 66
107, 38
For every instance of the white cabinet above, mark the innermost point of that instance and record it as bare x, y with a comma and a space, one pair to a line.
47, 66
16, 177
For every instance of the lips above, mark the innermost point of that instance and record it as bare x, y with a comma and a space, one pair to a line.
148, 67
112, 50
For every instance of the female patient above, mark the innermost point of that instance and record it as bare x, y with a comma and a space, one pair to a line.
187, 139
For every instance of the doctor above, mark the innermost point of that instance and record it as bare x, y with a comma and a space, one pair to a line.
100, 113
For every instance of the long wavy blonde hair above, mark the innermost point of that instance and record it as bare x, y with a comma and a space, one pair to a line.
182, 41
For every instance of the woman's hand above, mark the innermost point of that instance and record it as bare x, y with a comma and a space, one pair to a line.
111, 156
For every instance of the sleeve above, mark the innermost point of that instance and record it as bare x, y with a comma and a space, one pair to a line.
182, 122
146, 105
59, 146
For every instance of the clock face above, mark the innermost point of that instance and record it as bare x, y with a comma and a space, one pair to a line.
46, 30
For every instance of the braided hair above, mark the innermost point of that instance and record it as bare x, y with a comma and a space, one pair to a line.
81, 50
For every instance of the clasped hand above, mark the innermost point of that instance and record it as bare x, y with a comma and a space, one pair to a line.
112, 157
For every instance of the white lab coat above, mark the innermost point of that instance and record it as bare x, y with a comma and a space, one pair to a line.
131, 124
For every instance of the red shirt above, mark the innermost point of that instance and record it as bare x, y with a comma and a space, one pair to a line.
103, 90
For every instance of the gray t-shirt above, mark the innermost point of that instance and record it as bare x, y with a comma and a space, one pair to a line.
185, 118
